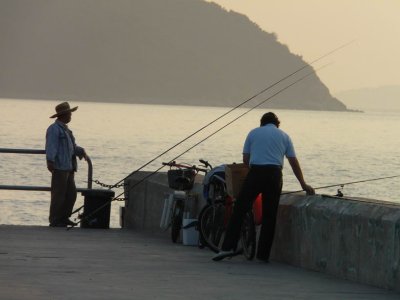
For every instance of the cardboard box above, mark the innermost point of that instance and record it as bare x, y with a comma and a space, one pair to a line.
234, 178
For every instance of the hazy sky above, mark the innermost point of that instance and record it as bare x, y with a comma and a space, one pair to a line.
311, 28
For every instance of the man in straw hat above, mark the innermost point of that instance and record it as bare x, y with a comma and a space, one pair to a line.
61, 153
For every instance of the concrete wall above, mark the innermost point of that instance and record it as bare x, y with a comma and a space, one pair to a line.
354, 239
145, 201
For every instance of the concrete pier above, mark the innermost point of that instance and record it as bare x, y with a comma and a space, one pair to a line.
354, 239
53, 263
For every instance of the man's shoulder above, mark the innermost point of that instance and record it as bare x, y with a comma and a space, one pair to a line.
254, 132
54, 127
282, 131
278, 133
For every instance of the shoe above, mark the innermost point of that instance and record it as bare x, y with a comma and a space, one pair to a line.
223, 254
70, 223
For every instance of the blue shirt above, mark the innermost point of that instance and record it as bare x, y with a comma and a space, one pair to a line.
267, 145
61, 148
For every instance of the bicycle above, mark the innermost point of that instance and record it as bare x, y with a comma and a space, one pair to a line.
214, 217
181, 180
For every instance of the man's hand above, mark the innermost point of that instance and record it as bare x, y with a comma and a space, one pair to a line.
294, 163
83, 155
309, 189
50, 166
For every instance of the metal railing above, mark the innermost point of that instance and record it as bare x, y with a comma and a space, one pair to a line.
42, 188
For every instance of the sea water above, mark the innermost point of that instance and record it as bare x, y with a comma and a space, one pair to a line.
332, 147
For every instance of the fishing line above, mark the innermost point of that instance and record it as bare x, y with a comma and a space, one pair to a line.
231, 110
343, 184
195, 145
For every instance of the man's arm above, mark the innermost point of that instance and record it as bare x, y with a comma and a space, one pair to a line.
51, 147
80, 152
294, 163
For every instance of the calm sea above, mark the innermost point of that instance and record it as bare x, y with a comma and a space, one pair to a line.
333, 147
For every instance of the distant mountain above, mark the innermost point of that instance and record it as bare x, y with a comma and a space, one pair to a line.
187, 52
384, 98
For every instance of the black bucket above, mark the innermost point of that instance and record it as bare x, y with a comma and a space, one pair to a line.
93, 216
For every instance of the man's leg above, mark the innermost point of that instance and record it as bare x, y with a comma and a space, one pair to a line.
58, 194
270, 203
70, 195
241, 206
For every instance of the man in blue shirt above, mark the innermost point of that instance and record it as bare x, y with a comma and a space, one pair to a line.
264, 150
61, 152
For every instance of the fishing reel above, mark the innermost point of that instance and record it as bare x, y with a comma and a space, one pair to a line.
339, 191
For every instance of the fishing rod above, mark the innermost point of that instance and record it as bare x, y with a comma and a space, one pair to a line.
229, 111
195, 145
220, 117
343, 184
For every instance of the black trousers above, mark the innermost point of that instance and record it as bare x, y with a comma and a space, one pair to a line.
260, 179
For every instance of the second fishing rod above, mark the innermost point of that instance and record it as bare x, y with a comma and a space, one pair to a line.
196, 144
229, 111
345, 183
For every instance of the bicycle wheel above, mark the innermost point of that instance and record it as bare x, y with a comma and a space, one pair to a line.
176, 221
202, 225
212, 226
248, 236
202, 242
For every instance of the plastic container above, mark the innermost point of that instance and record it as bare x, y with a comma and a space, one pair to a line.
190, 235
167, 211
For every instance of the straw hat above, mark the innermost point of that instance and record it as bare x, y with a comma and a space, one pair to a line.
63, 108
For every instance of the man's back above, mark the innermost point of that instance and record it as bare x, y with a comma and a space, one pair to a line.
267, 145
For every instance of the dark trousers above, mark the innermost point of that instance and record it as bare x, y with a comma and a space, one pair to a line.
63, 196
260, 179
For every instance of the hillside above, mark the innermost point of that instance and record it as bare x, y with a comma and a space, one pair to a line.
187, 52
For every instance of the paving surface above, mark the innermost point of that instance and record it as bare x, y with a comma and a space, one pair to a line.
53, 263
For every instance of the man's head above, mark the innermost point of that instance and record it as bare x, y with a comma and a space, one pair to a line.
64, 112
269, 118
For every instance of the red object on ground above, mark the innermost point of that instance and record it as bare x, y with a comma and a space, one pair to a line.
257, 210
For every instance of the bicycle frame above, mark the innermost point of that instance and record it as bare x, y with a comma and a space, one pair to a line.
180, 179
215, 216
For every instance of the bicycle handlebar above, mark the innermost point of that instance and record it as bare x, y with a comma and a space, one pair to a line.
205, 163
184, 166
